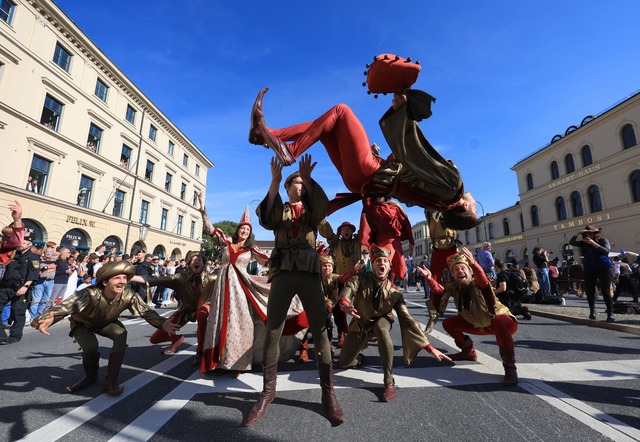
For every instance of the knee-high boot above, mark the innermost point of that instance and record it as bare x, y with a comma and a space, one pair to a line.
110, 385
90, 363
329, 401
468, 352
270, 374
509, 363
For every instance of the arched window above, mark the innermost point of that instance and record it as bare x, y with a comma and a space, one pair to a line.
628, 136
567, 251
505, 227
521, 222
467, 237
561, 209
555, 170
535, 217
478, 239
576, 204
529, 181
595, 202
491, 231
634, 182
585, 154
510, 256
525, 256
569, 165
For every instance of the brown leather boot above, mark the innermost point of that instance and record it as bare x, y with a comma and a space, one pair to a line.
90, 362
276, 144
329, 400
468, 353
509, 363
110, 385
255, 136
270, 374
389, 393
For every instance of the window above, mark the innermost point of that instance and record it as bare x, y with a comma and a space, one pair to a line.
576, 204
585, 154
144, 212
569, 165
148, 173
130, 116
510, 256
561, 209
6, 10
521, 222
197, 170
529, 181
170, 148
192, 231
93, 140
567, 251
595, 203
153, 132
183, 191
555, 171
194, 201
167, 182
38, 174
506, 230
491, 236
628, 136
634, 182
51, 113
125, 156
163, 219
62, 57
84, 193
535, 217
478, 238
179, 225
101, 90
118, 203
185, 160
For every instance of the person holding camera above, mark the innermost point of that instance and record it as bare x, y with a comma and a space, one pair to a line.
541, 261
597, 268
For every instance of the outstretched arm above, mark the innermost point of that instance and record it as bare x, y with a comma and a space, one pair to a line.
305, 169
208, 227
276, 178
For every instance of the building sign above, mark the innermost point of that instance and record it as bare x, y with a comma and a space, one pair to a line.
509, 239
75, 238
593, 219
33, 230
80, 221
178, 243
112, 241
584, 172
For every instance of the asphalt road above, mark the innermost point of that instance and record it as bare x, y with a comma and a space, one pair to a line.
576, 383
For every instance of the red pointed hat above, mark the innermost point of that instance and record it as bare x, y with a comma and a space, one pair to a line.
389, 73
246, 218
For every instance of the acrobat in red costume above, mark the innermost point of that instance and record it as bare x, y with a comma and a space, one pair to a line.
385, 223
415, 174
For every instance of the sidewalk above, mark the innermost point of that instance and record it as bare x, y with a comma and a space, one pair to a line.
580, 315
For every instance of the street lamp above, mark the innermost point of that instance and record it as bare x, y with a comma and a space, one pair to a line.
144, 229
484, 221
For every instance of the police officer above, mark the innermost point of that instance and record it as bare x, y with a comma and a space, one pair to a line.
144, 268
20, 274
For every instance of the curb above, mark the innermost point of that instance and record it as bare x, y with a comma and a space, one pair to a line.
588, 322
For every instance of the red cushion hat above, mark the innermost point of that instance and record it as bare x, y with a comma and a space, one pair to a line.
390, 73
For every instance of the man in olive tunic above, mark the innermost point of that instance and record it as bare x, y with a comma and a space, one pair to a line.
294, 269
370, 298
95, 311
344, 244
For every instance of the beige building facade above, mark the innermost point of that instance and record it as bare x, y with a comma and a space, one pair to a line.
588, 176
111, 168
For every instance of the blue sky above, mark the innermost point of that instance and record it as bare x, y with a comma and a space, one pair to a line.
507, 77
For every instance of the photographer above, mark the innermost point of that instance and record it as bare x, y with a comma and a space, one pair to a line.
541, 261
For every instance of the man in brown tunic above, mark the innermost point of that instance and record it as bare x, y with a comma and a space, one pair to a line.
294, 269
95, 311
370, 298
344, 245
